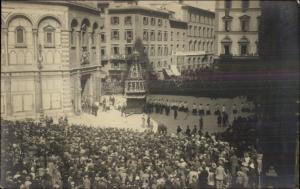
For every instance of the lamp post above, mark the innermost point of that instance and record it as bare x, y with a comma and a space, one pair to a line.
40, 60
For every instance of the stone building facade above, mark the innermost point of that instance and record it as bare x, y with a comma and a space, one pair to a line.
50, 57
193, 46
176, 37
124, 24
237, 26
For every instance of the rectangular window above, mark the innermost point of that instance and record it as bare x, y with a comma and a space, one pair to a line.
244, 25
227, 49
103, 39
244, 49
152, 51
171, 36
128, 20
128, 50
145, 35
20, 35
152, 21
159, 22
166, 51
128, 35
115, 35
227, 25
159, 36
115, 20
166, 36
152, 36
49, 37
145, 21
115, 50
103, 52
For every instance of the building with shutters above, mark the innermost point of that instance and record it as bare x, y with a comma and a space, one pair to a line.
125, 22
237, 28
50, 57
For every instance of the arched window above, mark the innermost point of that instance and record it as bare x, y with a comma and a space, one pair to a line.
49, 36
20, 36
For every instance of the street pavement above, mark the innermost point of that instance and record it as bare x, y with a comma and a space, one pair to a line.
113, 118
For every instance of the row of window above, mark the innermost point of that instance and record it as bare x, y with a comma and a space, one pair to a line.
49, 34
243, 49
115, 20
201, 19
202, 32
208, 46
244, 4
244, 24
153, 21
115, 35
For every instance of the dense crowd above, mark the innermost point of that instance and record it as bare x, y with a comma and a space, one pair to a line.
74, 156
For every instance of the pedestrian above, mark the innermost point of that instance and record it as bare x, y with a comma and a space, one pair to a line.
220, 176
201, 123
194, 131
148, 121
175, 113
188, 131
194, 107
179, 129
219, 120
207, 109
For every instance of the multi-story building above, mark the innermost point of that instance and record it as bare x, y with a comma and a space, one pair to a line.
198, 49
237, 26
124, 24
50, 57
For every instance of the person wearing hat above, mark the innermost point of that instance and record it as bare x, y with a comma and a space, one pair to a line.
220, 176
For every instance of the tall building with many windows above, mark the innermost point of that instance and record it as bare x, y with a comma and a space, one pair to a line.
237, 26
198, 49
50, 57
124, 24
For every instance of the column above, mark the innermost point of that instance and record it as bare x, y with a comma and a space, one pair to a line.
5, 40
97, 41
35, 45
89, 46
8, 94
37, 94
78, 91
78, 46
98, 85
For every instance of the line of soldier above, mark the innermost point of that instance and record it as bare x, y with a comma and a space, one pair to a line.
164, 106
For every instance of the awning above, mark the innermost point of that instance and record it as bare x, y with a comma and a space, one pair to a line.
169, 72
175, 70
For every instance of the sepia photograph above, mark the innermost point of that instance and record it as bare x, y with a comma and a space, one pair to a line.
140, 94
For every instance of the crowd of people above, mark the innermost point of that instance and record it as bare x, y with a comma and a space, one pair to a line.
75, 156
165, 105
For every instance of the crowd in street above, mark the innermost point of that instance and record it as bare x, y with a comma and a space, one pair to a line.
164, 105
75, 156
